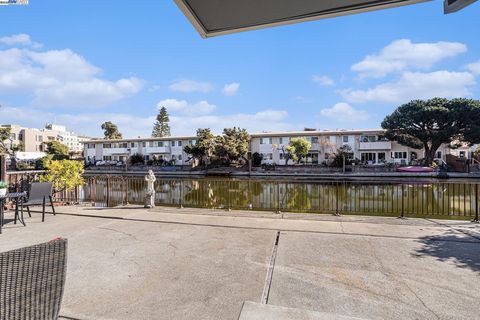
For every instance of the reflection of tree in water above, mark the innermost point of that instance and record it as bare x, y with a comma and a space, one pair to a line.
218, 193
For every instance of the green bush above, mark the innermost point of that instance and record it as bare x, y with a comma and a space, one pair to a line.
3, 185
65, 174
257, 159
137, 158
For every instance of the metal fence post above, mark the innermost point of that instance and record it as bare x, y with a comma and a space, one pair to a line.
228, 190
403, 202
278, 197
336, 199
476, 204
108, 191
181, 194
3, 168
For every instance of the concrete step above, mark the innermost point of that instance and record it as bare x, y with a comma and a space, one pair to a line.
257, 311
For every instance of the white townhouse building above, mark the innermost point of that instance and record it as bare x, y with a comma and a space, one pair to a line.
168, 148
369, 146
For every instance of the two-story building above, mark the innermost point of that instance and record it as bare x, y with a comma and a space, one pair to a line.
368, 146
168, 149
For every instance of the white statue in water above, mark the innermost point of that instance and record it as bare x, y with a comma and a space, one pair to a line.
150, 197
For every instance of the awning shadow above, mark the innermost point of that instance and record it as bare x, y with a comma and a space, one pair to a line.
462, 250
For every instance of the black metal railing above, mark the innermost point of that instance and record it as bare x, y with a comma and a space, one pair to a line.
407, 199
443, 199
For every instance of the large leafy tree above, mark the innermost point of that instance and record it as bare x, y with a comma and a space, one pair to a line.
161, 127
297, 149
428, 124
6, 145
56, 148
111, 130
204, 146
232, 146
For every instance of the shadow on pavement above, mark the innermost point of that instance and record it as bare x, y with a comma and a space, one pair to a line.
451, 247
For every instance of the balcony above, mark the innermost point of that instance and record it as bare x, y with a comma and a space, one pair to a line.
377, 145
157, 150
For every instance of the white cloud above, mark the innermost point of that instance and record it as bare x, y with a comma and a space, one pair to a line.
133, 126
231, 89
474, 68
415, 85
184, 107
402, 55
191, 86
60, 78
323, 80
343, 112
21, 39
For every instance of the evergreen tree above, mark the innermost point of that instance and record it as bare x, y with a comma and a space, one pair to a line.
111, 130
161, 127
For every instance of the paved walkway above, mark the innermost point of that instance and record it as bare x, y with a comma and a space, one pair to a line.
167, 263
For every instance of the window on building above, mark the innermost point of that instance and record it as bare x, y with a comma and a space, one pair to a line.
191, 142
144, 144
265, 140
382, 156
13, 136
368, 157
172, 143
132, 145
439, 155
267, 156
382, 138
179, 143
399, 155
107, 146
282, 156
345, 139
160, 144
20, 136
284, 140
107, 158
150, 144
368, 138
146, 157
40, 138
179, 157
314, 139
462, 154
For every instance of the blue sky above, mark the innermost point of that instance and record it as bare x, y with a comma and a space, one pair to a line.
81, 63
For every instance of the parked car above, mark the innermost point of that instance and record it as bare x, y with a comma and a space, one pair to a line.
100, 163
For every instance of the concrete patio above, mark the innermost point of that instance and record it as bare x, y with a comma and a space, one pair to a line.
167, 263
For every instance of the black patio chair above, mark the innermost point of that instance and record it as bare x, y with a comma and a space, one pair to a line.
38, 195
32, 281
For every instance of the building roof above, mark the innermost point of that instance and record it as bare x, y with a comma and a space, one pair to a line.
213, 17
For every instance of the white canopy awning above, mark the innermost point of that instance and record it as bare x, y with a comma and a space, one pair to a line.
29, 155
214, 17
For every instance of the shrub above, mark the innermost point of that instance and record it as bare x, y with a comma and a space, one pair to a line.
65, 174
257, 159
137, 158
3, 185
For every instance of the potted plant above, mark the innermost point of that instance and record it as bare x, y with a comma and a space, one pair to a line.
3, 188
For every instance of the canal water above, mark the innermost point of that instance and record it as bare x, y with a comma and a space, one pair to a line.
411, 198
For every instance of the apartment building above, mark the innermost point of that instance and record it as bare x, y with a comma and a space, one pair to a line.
168, 149
369, 146
33, 140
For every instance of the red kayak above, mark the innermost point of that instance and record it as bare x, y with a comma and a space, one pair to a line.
415, 169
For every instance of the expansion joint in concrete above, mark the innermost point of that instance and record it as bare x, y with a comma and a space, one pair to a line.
271, 267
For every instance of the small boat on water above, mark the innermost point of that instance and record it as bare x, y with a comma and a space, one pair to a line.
415, 169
